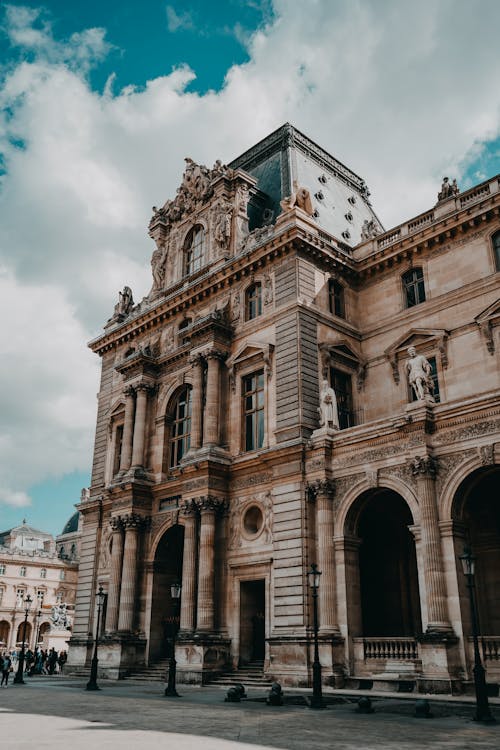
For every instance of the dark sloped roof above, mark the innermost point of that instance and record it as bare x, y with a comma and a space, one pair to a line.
72, 524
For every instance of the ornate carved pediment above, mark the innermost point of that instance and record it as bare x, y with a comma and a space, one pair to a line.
249, 353
486, 321
420, 338
345, 351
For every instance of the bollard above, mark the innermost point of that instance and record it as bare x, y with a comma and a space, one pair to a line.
365, 706
235, 693
275, 697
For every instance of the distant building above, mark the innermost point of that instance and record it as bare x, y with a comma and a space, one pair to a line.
300, 386
33, 563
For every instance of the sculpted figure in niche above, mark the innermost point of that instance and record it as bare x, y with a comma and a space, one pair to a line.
222, 213
158, 266
328, 412
419, 371
125, 301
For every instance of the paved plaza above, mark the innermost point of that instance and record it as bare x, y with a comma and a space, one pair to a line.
58, 713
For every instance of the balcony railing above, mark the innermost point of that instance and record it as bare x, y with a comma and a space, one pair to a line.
399, 649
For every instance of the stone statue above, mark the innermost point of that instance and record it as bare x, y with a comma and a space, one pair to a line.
222, 213
328, 412
158, 266
369, 229
448, 190
125, 301
300, 198
59, 617
419, 371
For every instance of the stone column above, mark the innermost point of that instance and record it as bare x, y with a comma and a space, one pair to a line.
188, 600
322, 491
132, 523
211, 429
140, 425
208, 507
197, 402
424, 470
128, 430
115, 578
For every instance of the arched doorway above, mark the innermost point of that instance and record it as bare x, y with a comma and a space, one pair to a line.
4, 633
383, 592
165, 611
27, 634
43, 630
476, 508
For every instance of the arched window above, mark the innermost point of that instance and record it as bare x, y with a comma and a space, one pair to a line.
496, 249
194, 250
253, 301
413, 287
336, 298
43, 573
180, 434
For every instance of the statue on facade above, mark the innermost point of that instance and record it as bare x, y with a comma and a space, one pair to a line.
59, 617
419, 371
158, 266
369, 229
300, 198
448, 189
221, 217
125, 301
328, 412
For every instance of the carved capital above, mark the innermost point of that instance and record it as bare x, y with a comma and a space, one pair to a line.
116, 523
129, 392
216, 354
209, 504
317, 487
424, 467
135, 521
487, 454
188, 508
146, 388
196, 360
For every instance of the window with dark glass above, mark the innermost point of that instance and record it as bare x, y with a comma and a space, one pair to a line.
496, 249
253, 411
181, 427
336, 298
118, 449
194, 250
342, 385
434, 388
253, 301
413, 286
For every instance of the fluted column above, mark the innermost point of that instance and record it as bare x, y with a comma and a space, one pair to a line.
128, 430
322, 491
115, 578
140, 425
132, 524
211, 431
197, 402
188, 601
424, 470
207, 507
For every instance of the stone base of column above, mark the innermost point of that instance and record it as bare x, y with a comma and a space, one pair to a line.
79, 653
441, 667
208, 453
291, 658
201, 657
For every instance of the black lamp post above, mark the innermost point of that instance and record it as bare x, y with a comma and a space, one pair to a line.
317, 696
482, 707
39, 596
170, 691
92, 683
18, 679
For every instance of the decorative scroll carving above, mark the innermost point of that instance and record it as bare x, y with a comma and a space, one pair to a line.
426, 466
372, 478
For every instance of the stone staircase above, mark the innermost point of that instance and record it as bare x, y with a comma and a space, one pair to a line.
250, 675
156, 672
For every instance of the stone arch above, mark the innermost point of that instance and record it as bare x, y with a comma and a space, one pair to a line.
452, 485
166, 565
169, 390
352, 495
4, 632
174, 519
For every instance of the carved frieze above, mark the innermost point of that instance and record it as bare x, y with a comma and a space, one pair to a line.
448, 464
468, 431
401, 472
209, 503
250, 481
353, 458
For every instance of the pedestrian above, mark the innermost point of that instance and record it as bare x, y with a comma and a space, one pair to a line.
63, 658
52, 660
6, 669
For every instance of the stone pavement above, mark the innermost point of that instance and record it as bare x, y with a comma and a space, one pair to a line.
56, 713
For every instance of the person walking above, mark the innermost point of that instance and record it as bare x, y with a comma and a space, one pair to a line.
6, 667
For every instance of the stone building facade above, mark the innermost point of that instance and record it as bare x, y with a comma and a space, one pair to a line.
34, 563
256, 415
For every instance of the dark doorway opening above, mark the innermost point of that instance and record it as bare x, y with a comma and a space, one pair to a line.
252, 621
165, 610
390, 602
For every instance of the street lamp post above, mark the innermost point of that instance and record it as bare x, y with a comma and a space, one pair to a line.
18, 679
39, 597
317, 695
482, 712
92, 683
170, 691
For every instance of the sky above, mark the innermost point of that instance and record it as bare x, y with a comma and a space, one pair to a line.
101, 101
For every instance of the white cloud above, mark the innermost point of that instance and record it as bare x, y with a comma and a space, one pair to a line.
16, 499
400, 92
178, 21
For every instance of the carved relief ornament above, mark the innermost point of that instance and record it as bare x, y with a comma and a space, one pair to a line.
317, 487
426, 466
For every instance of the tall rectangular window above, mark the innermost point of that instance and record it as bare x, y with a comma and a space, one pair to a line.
342, 385
118, 449
336, 298
253, 411
414, 287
